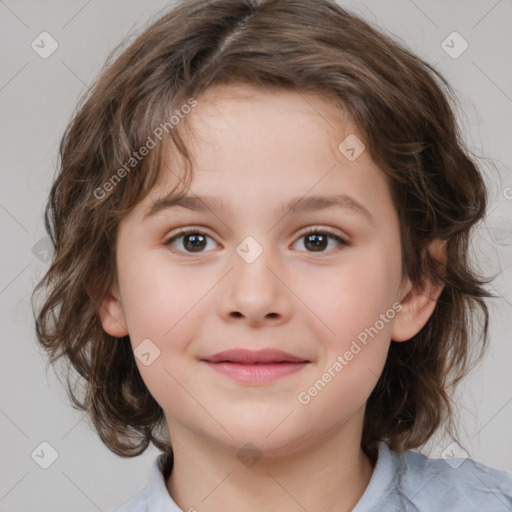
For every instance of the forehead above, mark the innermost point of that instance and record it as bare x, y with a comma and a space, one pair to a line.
271, 107
254, 146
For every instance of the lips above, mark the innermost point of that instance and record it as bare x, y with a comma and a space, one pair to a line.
255, 368
250, 357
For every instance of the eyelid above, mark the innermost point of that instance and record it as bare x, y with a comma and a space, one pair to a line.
322, 229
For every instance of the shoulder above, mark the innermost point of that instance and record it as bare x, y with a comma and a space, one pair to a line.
412, 482
454, 484
138, 503
154, 497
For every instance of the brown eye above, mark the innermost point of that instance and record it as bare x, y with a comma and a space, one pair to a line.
192, 241
316, 240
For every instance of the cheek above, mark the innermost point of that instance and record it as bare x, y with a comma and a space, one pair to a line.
353, 296
165, 305
358, 309
157, 295
357, 306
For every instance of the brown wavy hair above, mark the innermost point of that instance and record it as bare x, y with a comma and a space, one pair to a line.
401, 105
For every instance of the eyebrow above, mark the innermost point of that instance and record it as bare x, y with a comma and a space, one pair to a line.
298, 204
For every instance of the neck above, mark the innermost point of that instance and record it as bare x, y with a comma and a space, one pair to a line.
329, 475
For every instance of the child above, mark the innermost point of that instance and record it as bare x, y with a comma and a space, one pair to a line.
272, 374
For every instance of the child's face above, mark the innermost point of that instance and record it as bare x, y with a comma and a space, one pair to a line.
257, 151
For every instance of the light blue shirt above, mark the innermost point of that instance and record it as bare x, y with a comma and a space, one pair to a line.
407, 482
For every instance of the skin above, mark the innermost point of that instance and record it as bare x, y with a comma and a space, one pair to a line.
257, 150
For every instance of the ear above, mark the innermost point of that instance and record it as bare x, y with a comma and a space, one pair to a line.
418, 302
112, 315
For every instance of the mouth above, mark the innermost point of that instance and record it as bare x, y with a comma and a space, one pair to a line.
255, 367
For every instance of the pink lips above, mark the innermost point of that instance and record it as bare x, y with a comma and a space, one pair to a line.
255, 366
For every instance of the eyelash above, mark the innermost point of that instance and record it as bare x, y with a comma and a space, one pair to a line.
314, 230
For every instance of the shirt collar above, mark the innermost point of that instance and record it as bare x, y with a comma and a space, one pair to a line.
383, 480
159, 499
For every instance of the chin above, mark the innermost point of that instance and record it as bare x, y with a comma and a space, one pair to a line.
270, 439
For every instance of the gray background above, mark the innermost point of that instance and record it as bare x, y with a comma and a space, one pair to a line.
37, 99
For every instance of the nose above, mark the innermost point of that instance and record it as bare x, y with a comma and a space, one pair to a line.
255, 293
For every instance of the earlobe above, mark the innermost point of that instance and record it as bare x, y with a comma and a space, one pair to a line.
419, 302
112, 315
